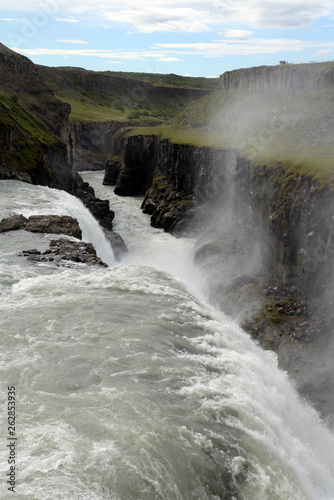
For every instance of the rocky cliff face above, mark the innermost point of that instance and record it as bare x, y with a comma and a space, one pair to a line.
284, 78
14, 70
294, 213
90, 143
139, 157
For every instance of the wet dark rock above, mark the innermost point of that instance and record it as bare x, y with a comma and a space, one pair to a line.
117, 243
112, 170
57, 224
139, 162
68, 253
13, 223
7, 173
100, 209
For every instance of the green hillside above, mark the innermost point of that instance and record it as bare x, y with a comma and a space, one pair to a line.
125, 97
24, 139
170, 80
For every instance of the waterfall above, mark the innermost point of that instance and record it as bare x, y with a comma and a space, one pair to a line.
30, 200
130, 386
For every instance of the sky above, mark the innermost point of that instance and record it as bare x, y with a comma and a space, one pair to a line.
185, 37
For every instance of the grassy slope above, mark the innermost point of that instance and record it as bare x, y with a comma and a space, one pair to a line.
118, 104
171, 80
27, 136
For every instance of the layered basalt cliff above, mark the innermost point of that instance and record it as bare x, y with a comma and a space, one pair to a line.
286, 77
294, 212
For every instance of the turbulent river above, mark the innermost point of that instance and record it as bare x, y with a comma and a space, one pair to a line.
128, 385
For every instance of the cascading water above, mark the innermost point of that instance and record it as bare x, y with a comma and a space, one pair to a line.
23, 198
129, 386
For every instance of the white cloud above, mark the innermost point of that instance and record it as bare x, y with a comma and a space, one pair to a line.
104, 54
286, 14
9, 20
254, 46
169, 59
192, 16
65, 20
238, 34
322, 53
78, 42
149, 19
174, 52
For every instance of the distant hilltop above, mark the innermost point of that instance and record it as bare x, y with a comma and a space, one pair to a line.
283, 77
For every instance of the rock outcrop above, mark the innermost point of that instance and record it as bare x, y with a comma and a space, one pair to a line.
117, 244
54, 224
66, 253
112, 169
138, 165
100, 209
7, 173
13, 223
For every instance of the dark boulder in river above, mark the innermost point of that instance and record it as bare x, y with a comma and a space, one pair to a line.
13, 223
64, 252
57, 224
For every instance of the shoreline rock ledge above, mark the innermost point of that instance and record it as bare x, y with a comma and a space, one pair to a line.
56, 224
59, 224
66, 253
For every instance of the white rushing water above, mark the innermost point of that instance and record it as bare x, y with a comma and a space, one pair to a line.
129, 386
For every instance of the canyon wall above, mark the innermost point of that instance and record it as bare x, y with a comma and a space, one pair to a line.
182, 182
284, 77
89, 143
121, 89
